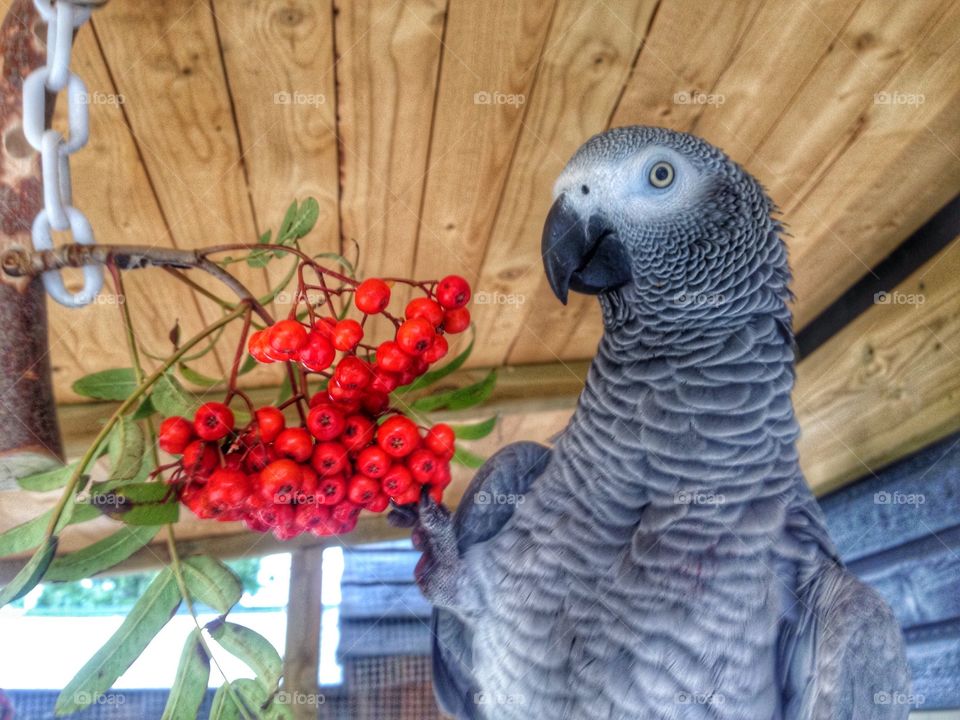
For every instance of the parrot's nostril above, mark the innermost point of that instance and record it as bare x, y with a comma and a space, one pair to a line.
584, 189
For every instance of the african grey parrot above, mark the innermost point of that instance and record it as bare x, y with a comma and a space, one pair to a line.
665, 558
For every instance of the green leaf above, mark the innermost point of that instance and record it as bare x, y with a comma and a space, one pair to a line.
190, 684
429, 378
126, 448
30, 534
288, 220
101, 555
147, 617
467, 458
252, 648
31, 573
145, 410
477, 431
212, 583
169, 397
49, 480
223, 706
149, 503
197, 378
460, 398
116, 384
307, 216
340, 259
249, 364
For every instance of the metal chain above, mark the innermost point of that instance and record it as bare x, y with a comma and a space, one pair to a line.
55, 150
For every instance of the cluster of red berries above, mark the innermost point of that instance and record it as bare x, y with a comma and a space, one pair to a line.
304, 479
352, 451
418, 342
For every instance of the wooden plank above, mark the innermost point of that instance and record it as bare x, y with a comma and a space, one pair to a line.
587, 59
897, 166
887, 384
375, 601
491, 52
279, 61
902, 503
301, 656
364, 639
933, 652
383, 566
165, 61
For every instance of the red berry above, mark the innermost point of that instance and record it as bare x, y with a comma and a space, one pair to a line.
418, 366
331, 490
453, 292
437, 350
194, 497
392, 358
342, 395
373, 462
312, 517
441, 441
422, 465
357, 432
317, 353
233, 461
361, 489
442, 477
375, 403
378, 504
213, 421
325, 326
352, 373
270, 422
408, 496
372, 296
308, 483
415, 336
294, 443
287, 337
258, 457
329, 458
396, 480
280, 479
436, 493
384, 381
346, 511
347, 334
228, 488
175, 434
258, 345
456, 321
199, 460
425, 308
398, 436
325, 421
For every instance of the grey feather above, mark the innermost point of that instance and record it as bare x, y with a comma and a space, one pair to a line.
669, 561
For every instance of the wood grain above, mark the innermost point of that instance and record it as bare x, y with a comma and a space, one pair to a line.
587, 59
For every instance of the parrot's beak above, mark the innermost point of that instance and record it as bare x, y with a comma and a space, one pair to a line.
580, 254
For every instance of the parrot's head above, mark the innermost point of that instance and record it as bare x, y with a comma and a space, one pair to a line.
669, 232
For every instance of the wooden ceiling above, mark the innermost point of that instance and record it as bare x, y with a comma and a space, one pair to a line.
383, 128
846, 110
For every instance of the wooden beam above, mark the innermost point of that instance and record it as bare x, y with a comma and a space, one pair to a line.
301, 656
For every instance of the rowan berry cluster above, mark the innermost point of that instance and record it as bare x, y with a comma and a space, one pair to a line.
351, 450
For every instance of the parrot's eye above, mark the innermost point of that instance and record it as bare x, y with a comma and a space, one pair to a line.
661, 174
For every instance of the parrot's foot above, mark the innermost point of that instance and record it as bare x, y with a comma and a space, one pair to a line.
433, 534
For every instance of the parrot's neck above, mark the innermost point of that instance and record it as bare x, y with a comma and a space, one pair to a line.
695, 429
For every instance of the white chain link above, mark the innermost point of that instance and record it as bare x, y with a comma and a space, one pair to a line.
55, 149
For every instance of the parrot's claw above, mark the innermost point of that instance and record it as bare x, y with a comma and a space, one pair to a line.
433, 534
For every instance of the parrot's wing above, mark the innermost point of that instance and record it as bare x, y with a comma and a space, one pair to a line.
842, 657
480, 516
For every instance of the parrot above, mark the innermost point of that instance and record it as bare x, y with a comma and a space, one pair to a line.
664, 557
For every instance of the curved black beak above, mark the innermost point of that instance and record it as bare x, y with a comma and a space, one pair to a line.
580, 254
